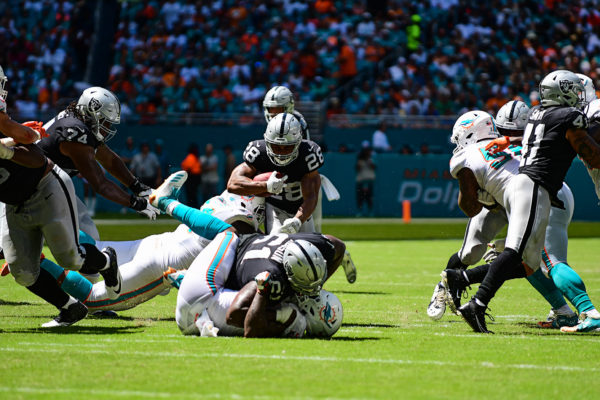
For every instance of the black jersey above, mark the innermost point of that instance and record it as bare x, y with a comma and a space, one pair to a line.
547, 154
257, 253
18, 183
66, 128
309, 159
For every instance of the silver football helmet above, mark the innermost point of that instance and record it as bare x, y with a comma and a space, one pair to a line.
230, 207
3, 80
512, 118
282, 138
588, 89
561, 88
277, 100
323, 314
102, 110
473, 127
304, 266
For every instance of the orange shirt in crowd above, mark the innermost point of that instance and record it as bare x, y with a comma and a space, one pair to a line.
191, 164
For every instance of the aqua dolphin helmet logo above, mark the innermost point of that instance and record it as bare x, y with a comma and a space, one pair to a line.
327, 314
467, 123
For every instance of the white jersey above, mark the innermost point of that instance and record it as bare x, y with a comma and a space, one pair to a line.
592, 112
492, 171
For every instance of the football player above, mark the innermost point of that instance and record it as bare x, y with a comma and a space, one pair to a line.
293, 196
76, 142
486, 178
279, 99
39, 202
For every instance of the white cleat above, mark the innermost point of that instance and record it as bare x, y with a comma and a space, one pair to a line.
170, 186
349, 267
437, 305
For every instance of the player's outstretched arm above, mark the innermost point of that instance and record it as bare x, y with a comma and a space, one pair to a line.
241, 181
114, 164
20, 133
585, 146
467, 195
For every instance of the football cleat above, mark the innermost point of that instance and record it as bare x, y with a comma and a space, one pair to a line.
169, 188
112, 277
104, 314
456, 284
5, 270
474, 315
174, 277
349, 267
557, 321
589, 324
437, 305
68, 316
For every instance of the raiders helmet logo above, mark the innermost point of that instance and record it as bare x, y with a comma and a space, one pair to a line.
565, 86
94, 105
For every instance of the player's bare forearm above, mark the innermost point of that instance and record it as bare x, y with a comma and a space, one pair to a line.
255, 323
585, 146
241, 181
236, 314
114, 164
21, 134
28, 157
111, 191
467, 195
311, 185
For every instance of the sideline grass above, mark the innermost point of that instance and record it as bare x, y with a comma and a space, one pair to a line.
387, 347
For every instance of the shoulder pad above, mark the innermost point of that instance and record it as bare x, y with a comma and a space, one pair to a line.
459, 161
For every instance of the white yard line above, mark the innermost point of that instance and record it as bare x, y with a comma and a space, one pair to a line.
85, 349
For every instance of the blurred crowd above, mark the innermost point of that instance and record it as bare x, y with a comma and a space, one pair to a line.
433, 57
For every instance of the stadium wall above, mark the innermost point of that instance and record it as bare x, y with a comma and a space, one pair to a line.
424, 180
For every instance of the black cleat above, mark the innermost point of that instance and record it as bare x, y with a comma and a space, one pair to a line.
456, 284
112, 277
474, 315
68, 316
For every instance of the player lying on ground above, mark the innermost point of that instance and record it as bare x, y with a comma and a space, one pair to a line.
493, 175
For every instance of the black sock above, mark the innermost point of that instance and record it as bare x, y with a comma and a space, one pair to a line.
95, 260
455, 263
503, 266
477, 274
46, 287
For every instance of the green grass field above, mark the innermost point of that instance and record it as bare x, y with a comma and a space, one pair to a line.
386, 348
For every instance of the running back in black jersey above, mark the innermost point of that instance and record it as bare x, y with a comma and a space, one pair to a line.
66, 128
18, 183
309, 159
547, 154
257, 253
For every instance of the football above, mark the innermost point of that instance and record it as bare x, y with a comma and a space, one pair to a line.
263, 178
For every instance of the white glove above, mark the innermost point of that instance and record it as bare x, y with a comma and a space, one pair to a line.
2, 105
485, 198
290, 225
496, 248
274, 184
6, 152
209, 330
150, 211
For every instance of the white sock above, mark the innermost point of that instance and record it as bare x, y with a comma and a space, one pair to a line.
593, 314
71, 300
171, 207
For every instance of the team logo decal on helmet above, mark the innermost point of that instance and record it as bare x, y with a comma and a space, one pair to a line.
565, 86
327, 315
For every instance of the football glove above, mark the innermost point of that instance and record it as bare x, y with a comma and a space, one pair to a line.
274, 184
290, 226
496, 247
6, 152
263, 282
485, 198
143, 207
498, 145
140, 189
2, 105
38, 127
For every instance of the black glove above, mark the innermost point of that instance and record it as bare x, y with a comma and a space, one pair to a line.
143, 206
140, 188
